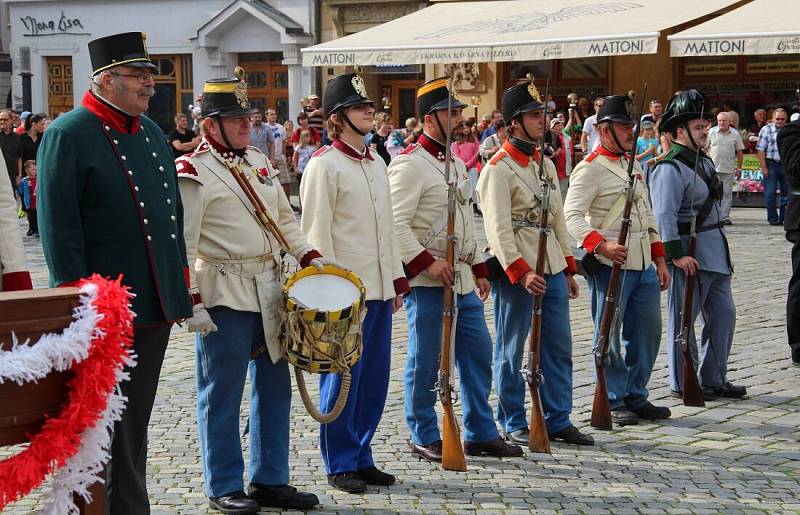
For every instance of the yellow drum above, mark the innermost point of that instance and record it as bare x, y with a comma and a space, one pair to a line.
322, 328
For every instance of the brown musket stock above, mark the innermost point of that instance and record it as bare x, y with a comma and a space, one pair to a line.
538, 440
452, 450
601, 409
692, 394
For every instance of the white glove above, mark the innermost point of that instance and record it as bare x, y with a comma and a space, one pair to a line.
320, 262
201, 321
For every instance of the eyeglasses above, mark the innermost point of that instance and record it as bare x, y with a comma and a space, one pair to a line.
5, 119
141, 76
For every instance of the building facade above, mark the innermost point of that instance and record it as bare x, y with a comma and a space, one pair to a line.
191, 41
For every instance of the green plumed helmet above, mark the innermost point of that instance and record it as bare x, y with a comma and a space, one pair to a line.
684, 106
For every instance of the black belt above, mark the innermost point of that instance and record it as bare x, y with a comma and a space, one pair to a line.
686, 227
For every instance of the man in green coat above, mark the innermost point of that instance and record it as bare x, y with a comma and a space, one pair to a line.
109, 204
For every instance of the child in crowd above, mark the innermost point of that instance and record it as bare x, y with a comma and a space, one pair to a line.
27, 192
303, 152
647, 145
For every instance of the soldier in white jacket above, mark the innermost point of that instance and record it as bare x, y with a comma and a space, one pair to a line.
347, 215
12, 253
235, 283
510, 192
419, 200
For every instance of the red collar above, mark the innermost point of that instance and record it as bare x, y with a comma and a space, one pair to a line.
432, 146
119, 121
350, 152
602, 151
520, 157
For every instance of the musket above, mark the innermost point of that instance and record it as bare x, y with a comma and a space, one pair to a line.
538, 440
601, 409
692, 394
452, 450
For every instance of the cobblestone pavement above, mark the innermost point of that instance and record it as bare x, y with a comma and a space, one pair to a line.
732, 456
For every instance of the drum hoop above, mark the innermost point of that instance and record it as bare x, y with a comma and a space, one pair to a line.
315, 315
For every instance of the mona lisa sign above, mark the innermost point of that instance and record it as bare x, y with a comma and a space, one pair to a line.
62, 25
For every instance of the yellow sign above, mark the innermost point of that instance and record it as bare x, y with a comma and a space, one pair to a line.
774, 67
751, 162
711, 69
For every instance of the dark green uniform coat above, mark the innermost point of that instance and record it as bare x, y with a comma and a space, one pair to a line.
108, 204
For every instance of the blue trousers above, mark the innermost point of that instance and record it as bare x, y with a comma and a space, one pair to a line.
773, 181
473, 354
637, 331
513, 310
713, 300
223, 360
345, 442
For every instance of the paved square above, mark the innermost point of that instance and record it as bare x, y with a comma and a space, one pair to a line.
732, 456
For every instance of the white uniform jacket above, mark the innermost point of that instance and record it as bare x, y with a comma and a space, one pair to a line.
12, 253
347, 215
226, 244
419, 203
597, 186
510, 195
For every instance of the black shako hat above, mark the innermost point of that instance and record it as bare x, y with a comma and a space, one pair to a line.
521, 98
126, 49
432, 96
684, 106
344, 91
226, 97
616, 108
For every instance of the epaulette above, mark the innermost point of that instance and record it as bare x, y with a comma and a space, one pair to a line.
591, 157
202, 148
500, 154
321, 150
185, 167
409, 149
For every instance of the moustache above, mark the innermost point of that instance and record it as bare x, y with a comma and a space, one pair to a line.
148, 91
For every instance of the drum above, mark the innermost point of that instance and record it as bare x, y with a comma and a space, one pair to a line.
322, 328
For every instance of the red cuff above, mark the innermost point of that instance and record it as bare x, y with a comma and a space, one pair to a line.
657, 250
186, 276
16, 281
480, 271
401, 286
308, 256
517, 269
592, 240
196, 299
70, 284
417, 265
572, 266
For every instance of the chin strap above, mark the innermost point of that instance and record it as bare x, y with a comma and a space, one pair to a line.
616, 139
349, 123
237, 151
689, 135
442, 132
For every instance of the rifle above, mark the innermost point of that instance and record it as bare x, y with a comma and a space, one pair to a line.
601, 409
538, 439
692, 394
452, 451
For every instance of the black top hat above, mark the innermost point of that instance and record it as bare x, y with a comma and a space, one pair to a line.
226, 97
615, 108
684, 106
521, 98
126, 49
433, 96
344, 91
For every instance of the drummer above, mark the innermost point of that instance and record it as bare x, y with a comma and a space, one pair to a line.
233, 257
419, 198
347, 214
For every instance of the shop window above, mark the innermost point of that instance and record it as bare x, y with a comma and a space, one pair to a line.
585, 68
267, 82
174, 89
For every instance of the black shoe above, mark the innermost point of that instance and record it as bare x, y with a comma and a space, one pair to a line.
282, 496
477, 210
732, 391
373, 476
727, 221
520, 436
796, 356
774, 222
348, 482
572, 435
497, 448
295, 208
710, 394
432, 452
624, 417
651, 412
29, 233
235, 502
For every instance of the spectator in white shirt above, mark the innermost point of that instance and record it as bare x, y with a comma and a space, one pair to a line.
590, 138
727, 151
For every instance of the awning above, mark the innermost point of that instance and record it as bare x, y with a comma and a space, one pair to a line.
760, 27
513, 30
